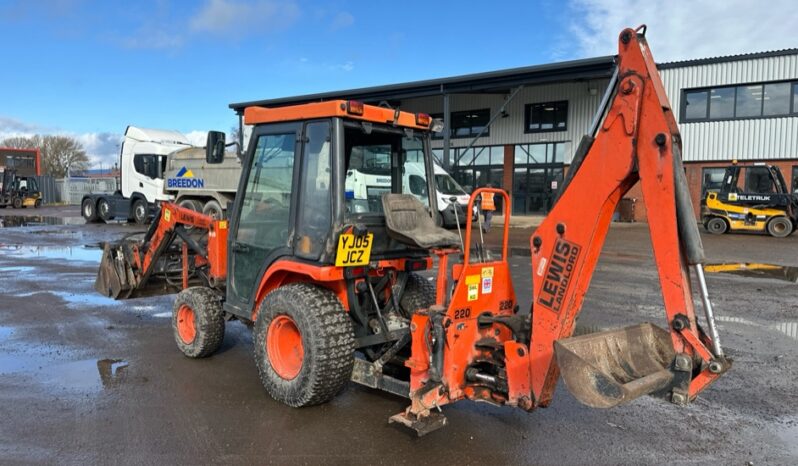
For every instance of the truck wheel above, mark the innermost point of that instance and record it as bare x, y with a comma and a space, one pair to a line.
419, 294
37, 204
139, 211
304, 344
104, 210
17, 203
213, 209
196, 206
717, 226
88, 211
780, 227
198, 322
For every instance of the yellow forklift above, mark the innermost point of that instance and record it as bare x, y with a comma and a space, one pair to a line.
752, 198
19, 191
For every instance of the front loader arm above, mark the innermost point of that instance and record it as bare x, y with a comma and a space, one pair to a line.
638, 141
127, 269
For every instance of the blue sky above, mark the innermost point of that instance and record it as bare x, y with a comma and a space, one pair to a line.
89, 68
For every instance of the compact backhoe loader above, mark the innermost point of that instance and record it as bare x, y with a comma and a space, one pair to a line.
333, 292
753, 198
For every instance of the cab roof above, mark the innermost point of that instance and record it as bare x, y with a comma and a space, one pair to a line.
337, 108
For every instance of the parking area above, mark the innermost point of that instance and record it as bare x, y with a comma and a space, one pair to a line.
85, 379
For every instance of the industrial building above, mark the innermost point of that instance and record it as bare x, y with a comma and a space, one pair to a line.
518, 128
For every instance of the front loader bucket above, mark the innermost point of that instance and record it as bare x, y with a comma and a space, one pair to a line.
113, 275
608, 368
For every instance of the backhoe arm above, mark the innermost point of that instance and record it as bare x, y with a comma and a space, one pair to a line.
637, 141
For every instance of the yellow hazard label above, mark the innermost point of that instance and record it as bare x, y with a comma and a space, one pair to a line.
487, 272
167, 214
473, 291
353, 250
472, 279
223, 224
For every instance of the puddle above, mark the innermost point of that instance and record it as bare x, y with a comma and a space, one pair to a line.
74, 253
789, 328
756, 270
72, 298
5, 332
82, 375
11, 221
163, 314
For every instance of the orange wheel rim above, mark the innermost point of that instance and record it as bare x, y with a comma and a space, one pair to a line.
284, 347
185, 324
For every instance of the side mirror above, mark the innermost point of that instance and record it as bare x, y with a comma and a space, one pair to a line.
214, 147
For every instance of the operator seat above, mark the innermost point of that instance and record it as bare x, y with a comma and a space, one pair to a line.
408, 222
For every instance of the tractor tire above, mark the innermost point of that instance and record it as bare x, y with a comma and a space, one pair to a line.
89, 211
717, 226
17, 202
138, 212
780, 227
198, 322
213, 209
104, 210
419, 294
304, 345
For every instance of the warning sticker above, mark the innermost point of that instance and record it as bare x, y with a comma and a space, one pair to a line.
472, 279
473, 292
487, 285
487, 272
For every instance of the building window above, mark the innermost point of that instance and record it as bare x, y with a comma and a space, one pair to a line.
467, 124
795, 178
537, 176
711, 179
476, 167
544, 117
762, 100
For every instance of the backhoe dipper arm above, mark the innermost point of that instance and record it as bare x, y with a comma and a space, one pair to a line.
638, 140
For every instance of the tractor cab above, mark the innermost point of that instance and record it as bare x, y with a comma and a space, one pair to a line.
312, 196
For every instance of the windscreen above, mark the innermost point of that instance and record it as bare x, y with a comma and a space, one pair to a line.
447, 185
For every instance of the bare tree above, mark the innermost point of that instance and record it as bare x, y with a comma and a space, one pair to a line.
60, 154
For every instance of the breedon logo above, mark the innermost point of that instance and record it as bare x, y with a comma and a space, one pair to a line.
185, 179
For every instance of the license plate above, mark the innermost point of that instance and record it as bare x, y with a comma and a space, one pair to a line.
353, 250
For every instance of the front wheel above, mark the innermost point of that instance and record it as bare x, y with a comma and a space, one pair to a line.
17, 203
198, 322
717, 226
304, 345
37, 204
780, 227
139, 211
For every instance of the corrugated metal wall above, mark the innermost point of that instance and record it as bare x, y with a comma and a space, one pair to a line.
766, 138
510, 130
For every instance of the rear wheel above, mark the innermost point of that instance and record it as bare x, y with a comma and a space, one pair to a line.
17, 202
88, 210
780, 227
198, 322
139, 211
104, 210
717, 226
213, 209
419, 294
37, 204
304, 345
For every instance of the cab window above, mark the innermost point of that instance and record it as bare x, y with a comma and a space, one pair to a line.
377, 163
147, 165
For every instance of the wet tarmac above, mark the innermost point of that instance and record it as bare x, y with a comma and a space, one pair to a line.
87, 380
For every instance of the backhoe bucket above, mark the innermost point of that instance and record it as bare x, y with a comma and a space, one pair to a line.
606, 369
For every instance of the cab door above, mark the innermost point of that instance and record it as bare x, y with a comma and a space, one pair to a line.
263, 216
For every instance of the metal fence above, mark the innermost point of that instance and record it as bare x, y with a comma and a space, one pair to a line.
71, 190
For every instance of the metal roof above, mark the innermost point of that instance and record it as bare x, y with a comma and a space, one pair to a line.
727, 58
492, 81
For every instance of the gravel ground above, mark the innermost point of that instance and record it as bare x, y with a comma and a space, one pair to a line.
86, 380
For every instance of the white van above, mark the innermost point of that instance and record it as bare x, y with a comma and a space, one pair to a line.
365, 186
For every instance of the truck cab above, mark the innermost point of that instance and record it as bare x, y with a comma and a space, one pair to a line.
143, 161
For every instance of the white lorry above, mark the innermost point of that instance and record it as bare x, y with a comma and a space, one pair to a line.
366, 184
156, 166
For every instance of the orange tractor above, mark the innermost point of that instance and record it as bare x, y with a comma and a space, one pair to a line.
330, 283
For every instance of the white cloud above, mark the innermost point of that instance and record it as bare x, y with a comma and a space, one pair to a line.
197, 138
684, 29
101, 148
342, 19
238, 18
